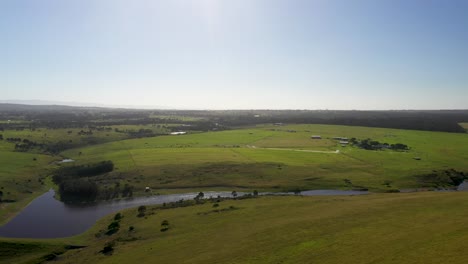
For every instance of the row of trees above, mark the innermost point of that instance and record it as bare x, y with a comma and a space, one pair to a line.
68, 117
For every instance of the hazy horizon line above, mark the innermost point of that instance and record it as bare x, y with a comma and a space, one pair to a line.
33, 102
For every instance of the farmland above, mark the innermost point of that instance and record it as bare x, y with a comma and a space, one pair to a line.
233, 132
136, 156
262, 157
23, 175
265, 157
425, 227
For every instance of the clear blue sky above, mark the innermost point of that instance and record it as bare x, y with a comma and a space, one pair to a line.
237, 54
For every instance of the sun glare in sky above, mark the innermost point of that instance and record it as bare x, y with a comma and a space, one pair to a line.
218, 54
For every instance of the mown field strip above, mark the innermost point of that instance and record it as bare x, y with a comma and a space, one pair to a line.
301, 150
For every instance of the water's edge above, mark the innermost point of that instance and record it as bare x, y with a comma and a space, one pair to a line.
46, 217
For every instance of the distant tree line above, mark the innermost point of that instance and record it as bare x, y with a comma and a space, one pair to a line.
76, 117
446, 121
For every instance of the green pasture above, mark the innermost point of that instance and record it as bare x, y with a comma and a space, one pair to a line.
22, 173
72, 136
26, 252
19, 178
426, 227
267, 158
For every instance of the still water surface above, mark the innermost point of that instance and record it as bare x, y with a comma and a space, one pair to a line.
46, 217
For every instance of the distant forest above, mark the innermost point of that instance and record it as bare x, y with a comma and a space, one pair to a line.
204, 120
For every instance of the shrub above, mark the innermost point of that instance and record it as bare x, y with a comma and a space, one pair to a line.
108, 249
113, 228
141, 211
118, 216
164, 225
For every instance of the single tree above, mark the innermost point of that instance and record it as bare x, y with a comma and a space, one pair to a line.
141, 210
118, 216
164, 225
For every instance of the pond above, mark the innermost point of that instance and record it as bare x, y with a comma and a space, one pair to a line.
46, 217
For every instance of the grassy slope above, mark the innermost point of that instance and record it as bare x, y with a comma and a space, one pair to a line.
19, 175
380, 228
228, 158
27, 252
43, 135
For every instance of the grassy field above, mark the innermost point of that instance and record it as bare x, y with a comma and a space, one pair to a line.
267, 158
73, 136
19, 178
426, 227
28, 252
22, 173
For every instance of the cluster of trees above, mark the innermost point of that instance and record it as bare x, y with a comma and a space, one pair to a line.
107, 193
14, 140
78, 190
114, 227
442, 178
24, 145
76, 183
87, 190
141, 133
27, 145
57, 147
101, 128
80, 171
85, 133
369, 144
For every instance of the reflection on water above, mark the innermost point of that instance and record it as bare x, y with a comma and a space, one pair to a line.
46, 217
